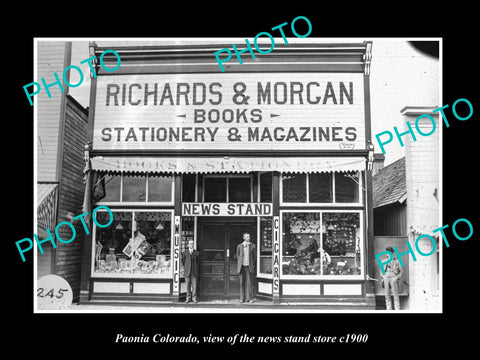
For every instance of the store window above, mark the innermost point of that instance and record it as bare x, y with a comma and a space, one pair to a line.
321, 243
301, 243
187, 234
321, 188
342, 243
136, 244
137, 188
266, 264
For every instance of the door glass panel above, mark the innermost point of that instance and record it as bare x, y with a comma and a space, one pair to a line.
214, 237
212, 265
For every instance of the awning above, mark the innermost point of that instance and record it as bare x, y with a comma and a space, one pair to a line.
46, 207
233, 164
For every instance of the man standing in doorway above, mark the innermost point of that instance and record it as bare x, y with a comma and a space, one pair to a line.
246, 260
391, 280
191, 269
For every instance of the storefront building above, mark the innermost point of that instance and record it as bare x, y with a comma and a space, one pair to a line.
277, 146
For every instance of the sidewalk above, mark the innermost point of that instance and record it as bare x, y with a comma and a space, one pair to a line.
218, 306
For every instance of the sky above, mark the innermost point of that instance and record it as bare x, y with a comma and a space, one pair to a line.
400, 76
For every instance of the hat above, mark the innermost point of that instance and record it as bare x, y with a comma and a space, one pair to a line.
389, 249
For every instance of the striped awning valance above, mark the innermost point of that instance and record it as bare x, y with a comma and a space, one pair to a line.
234, 164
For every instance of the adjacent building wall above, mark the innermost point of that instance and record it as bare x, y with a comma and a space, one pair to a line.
51, 58
71, 190
61, 135
422, 172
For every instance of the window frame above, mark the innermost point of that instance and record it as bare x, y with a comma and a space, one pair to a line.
93, 274
259, 256
360, 276
140, 203
227, 176
195, 190
259, 187
360, 187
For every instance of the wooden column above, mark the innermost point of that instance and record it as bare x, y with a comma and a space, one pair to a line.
276, 237
177, 223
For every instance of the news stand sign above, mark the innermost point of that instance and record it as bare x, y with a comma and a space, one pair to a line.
252, 111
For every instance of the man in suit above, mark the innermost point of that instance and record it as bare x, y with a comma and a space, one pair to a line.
191, 269
246, 261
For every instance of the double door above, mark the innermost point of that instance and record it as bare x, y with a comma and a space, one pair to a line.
218, 244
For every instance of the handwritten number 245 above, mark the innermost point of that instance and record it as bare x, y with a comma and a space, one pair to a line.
40, 293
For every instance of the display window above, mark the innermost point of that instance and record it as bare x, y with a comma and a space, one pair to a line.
321, 188
341, 243
265, 244
136, 244
188, 233
322, 243
136, 189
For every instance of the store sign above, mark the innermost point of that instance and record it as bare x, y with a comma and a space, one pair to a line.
176, 256
250, 111
276, 255
226, 209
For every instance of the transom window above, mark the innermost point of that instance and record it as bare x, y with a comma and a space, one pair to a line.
338, 187
228, 188
134, 188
